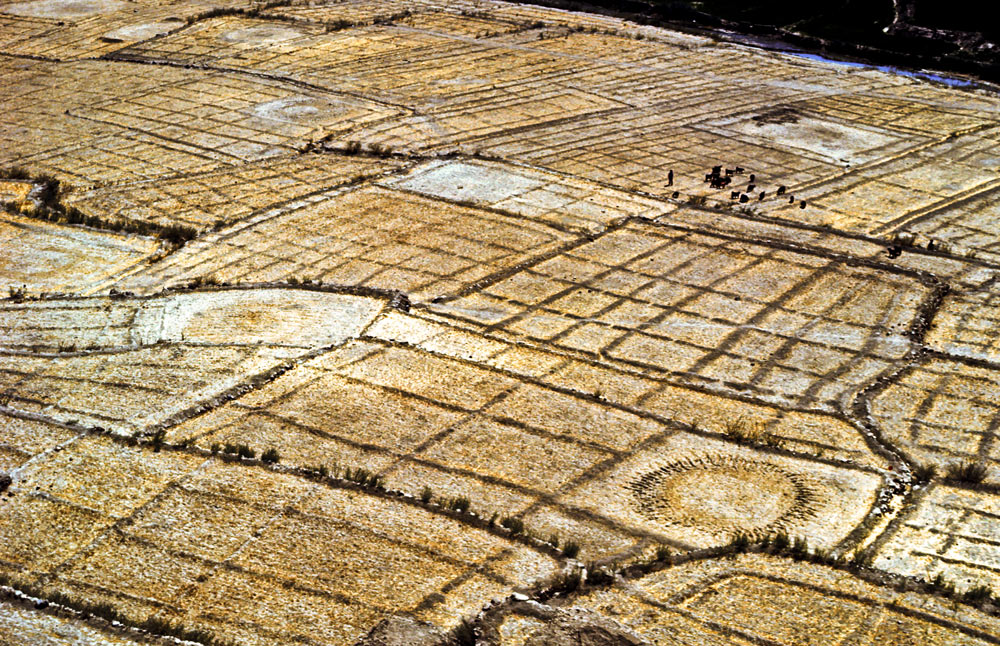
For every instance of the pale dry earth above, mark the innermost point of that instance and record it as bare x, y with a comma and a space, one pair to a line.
384, 323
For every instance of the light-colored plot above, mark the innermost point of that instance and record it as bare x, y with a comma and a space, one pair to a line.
44, 257
154, 358
256, 316
831, 141
22, 626
371, 237
540, 196
950, 532
942, 413
966, 324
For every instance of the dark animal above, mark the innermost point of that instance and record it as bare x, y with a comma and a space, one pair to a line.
781, 190
894, 251
744, 199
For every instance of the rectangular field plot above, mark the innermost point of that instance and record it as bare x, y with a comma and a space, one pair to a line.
371, 237
38, 129
948, 531
227, 194
141, 361
943, 412
437, 420
544, 197
785, 325
23, 439
241, 551
755, 599
966, 324
44, 257
170, 120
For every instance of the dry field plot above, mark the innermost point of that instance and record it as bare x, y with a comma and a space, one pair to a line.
21, 626
247, 553
800, 328
750, 600
227, 194
128, 364
371, 237
948, 531
43, 257
78, 120
606, 475
431, 251
943, 412
967, 323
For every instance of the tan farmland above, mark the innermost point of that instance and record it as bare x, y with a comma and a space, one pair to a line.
372, 323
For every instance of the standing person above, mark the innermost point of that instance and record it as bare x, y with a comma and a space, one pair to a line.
670, 177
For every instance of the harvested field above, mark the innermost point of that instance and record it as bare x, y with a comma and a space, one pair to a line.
369, 237
43, 257
370, 322
750, 600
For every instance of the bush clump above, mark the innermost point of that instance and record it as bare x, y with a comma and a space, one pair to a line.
968, 472
512, 524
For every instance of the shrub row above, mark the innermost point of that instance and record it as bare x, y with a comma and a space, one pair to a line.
86, 609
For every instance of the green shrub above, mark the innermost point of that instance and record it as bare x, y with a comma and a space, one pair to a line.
271, 456
571, 549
